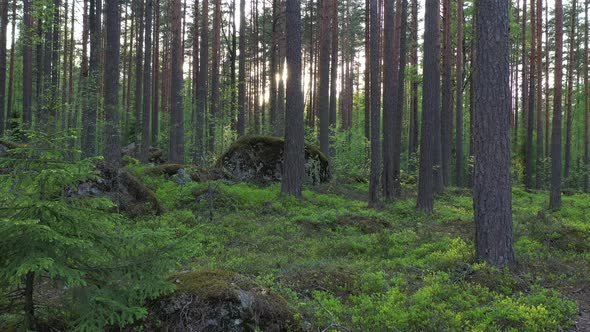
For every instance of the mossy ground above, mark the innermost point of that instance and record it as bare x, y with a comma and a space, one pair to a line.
344, 267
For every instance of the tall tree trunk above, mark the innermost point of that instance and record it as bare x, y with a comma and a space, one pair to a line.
430, 105
555, 196
375, 70
294, 165
156, 73
447, 92
147, 85
570, 92
139, 9
539, 94
492, 192
3, 27
400, 93
413, 135
176, 83
529, 158
334, 64
203, 76
91, 83
9, 108
324, 84
195, 75
459, 98
390, 62
282, 47
525, 105
586, 100
367, 72
547, 103
112, 148
242, 72
215, 75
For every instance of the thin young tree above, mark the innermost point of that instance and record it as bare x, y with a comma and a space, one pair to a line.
294, 159
555, 195
492, 192
112, 147
430, 105
375, 70
176, 82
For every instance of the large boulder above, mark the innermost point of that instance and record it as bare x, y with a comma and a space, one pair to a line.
218, 300
260, 159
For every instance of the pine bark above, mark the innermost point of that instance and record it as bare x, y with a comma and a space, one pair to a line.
112, 148
215, 75
430, 106
324, 78
492, 192
3, 33
242, 72
375, 70
570, 92
294, 164
447, 86
147, 84
555, 194
413, 135
176, 83
459, 99
139, 15
586, 100
201, 105
391, 61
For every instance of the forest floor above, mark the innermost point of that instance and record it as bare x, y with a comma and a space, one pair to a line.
344, 267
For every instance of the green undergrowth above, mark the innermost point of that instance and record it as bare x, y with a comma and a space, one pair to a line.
344, 267
341, 266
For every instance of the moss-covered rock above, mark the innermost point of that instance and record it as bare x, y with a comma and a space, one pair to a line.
217, 300
340, 281
260, 159
155, 155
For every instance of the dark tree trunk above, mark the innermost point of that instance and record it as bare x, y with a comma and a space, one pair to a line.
139, 9
459, 98
30, 320
147, 85
570, 92
367, 71
112, 148
555, 196
375, 70
529, 158
334, 64
400, 95
539, 93
447, 91
492, 195
3, 27
92, 82
242, 72
9, 108
215, 75
525, 104
430, 105
156, 73
390, 62
176, 82
282, 46
195, 76
294, 164
324, 84
413, 135
203, 78
586, 100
